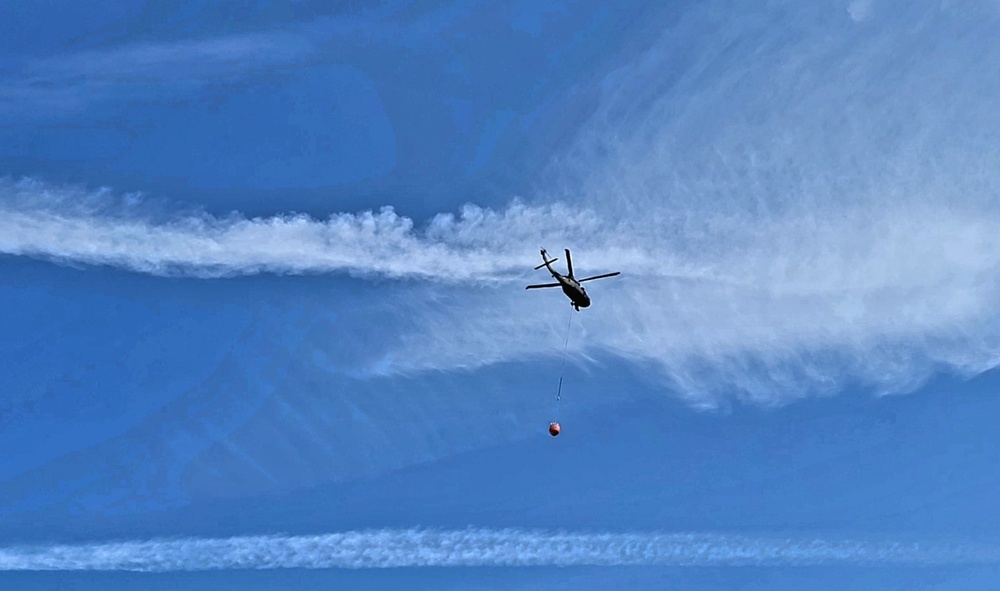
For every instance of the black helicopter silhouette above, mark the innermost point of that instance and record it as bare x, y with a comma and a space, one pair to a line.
569, 284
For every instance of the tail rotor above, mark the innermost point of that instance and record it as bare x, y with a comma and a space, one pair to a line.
545, 257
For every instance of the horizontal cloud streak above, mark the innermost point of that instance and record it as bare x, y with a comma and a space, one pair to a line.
72, 82
77, 226
69, 83
474, 547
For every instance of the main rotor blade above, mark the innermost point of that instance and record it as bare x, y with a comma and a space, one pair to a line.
543, 285
600, 276
569, 263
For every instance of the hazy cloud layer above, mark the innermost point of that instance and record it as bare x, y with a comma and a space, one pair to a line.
421, 548
800, 196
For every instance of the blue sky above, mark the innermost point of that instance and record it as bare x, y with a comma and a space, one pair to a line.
261, 286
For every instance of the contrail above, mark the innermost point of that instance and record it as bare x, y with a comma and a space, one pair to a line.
67, 224
482, 547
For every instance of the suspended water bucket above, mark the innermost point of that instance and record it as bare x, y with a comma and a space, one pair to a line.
554, 428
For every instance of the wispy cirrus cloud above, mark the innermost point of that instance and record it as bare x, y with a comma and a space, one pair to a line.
65, 84
480, 547
186, 58
68, 83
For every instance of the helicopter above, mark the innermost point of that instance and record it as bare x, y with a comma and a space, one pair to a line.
569, 284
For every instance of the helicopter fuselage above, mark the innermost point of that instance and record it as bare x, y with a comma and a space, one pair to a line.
571, 287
